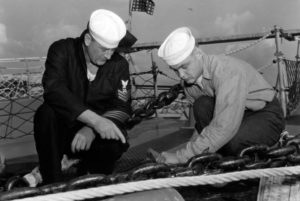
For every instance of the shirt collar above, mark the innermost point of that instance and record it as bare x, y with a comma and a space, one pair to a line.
206, 63
199, 81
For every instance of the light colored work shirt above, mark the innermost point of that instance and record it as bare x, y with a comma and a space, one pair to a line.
236, 86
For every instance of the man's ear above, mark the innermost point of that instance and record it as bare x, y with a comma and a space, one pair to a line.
87, 39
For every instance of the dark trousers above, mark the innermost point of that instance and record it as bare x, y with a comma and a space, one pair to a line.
257, 127
53, 139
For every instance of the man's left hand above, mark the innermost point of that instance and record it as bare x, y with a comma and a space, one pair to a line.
83, 139
168, 158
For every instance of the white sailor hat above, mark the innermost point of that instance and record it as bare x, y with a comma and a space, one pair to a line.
107, 28
177, 46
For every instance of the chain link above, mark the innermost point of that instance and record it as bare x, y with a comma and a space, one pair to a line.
284, 153
163, 99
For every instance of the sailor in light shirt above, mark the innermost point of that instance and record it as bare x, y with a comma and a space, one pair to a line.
233, 105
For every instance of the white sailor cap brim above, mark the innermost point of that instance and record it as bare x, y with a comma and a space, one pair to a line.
107, 28
177, 46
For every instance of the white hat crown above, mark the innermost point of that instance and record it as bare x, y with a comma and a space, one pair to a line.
177, 46
107, 28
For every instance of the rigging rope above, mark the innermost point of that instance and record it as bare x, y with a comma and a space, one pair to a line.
130, 187
16, 86
260, 69
293, 74
249, 45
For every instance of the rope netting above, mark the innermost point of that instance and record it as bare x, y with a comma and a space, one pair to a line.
20, 95
293, 75
21, 91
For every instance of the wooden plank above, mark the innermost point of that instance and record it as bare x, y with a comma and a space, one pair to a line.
279, 188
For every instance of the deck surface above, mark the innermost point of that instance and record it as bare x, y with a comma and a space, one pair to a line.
164, 134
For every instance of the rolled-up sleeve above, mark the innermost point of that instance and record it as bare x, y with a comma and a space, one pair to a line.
230, 91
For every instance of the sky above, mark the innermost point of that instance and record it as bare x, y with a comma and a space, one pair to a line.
28, 27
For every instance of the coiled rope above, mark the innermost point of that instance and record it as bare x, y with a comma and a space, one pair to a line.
130, 187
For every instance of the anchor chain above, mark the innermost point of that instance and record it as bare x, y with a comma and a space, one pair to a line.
284, 153
163, 99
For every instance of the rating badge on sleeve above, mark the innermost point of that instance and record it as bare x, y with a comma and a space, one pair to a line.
123, 93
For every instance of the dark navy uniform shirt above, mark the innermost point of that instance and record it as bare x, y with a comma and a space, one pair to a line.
68, 91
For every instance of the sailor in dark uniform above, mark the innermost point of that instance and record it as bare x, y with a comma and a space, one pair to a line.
86, 100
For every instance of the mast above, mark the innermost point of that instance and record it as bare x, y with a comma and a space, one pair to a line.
129, 27
281, 85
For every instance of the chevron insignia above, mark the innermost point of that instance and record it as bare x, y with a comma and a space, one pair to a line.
124, 94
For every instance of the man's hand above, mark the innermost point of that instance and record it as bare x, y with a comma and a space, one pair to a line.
108, 130
83, 139
105, 127
168, 158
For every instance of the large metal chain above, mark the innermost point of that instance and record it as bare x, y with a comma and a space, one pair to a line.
163, 99
286, 152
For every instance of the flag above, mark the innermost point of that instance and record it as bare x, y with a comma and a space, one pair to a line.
143, 6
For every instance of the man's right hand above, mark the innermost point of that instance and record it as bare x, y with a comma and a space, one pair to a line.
105, 127
108, 130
